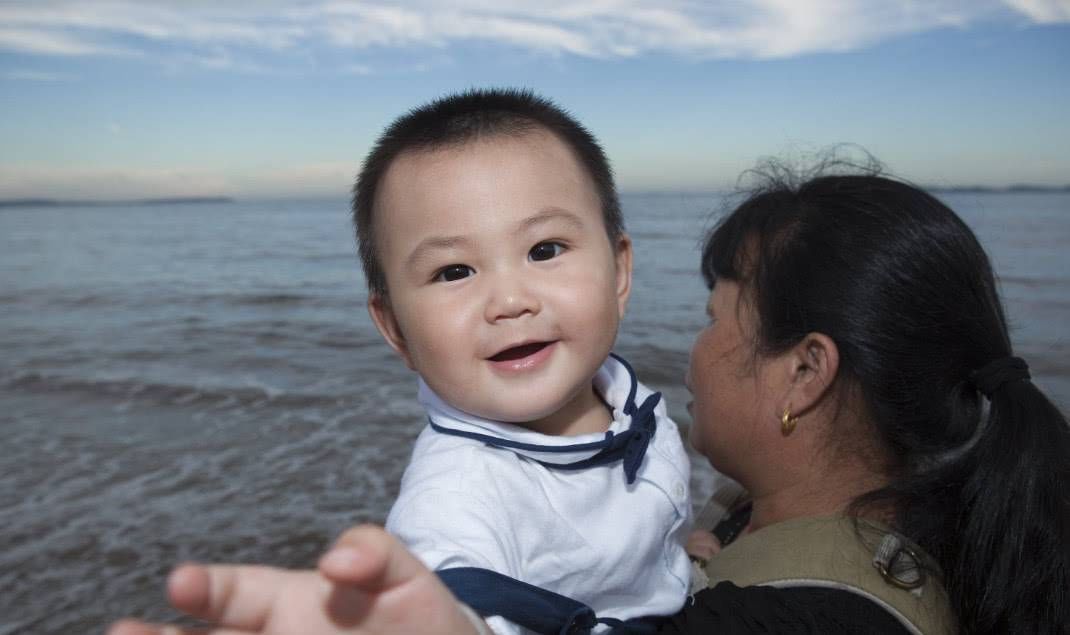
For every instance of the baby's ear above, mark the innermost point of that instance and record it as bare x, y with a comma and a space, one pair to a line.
385, 320
623, 257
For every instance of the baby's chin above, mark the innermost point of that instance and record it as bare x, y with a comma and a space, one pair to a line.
552, 414
524, 417
528, 410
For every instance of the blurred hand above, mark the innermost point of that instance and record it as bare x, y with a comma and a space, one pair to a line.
702, 544
368, 583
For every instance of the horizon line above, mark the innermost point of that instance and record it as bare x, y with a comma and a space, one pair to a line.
49, 201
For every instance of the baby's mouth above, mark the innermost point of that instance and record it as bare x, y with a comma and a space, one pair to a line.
519, 352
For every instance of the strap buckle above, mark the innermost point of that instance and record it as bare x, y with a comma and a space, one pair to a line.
898, 563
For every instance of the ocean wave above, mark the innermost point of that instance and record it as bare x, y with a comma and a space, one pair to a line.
269, 299
656, 365
128, 390
306, 333
73, 300
266, 299
49, 298
348, 343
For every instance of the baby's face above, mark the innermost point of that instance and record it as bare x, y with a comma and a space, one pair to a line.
504, 291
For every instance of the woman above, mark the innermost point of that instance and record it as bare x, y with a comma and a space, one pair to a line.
863, 314
856, 372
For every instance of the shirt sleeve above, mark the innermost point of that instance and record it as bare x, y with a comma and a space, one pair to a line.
730, 610
447, 529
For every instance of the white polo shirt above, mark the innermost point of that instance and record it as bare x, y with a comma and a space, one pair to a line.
586, 534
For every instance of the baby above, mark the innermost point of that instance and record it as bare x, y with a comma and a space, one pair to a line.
549, 487
549, 490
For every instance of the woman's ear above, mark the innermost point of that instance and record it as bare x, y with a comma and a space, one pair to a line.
623, 258
387, 324
814, 362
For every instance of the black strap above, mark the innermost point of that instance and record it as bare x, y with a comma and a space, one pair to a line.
534, 608
733, 524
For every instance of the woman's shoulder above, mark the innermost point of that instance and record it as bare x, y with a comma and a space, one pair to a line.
878, 567
727, 609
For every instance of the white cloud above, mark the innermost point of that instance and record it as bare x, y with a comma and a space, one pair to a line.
23, 181
115, 182
1043, 11
45, 42
160, 21
234, 31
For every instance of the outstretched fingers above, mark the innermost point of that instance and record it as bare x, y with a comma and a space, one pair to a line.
368, 584
241, 597
382, 586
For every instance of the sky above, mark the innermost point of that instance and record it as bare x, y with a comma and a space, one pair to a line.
271, 98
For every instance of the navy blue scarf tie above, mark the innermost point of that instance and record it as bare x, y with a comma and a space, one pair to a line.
629, 447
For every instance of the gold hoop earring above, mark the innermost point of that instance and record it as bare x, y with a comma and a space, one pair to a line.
787, 422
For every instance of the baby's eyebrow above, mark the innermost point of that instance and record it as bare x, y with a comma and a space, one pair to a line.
547, 215
433, 243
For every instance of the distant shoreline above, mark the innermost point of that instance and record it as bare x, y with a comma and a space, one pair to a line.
1018, 188
173, 200
224, 200
1010, 189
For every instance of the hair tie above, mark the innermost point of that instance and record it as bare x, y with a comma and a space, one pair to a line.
991, 377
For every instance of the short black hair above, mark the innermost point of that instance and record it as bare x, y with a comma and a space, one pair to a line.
467, 116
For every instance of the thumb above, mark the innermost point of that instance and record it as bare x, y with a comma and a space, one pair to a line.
370, 559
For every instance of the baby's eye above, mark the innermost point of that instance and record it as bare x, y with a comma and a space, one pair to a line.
546, 251
453, 272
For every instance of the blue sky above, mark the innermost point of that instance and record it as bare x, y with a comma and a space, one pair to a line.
272, 99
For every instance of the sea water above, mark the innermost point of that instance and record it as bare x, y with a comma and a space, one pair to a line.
203, 382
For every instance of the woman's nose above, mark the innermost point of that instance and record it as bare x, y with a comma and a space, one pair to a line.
510, 298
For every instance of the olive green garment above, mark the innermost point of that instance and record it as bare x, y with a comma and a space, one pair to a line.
831, 552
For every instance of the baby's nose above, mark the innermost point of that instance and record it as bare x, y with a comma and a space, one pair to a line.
511, 299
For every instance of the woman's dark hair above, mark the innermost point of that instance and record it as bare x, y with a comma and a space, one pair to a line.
906, 291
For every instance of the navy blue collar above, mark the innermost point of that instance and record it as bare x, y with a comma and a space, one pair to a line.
628, 446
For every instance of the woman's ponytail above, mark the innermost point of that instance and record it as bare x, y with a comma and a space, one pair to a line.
1011, 570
